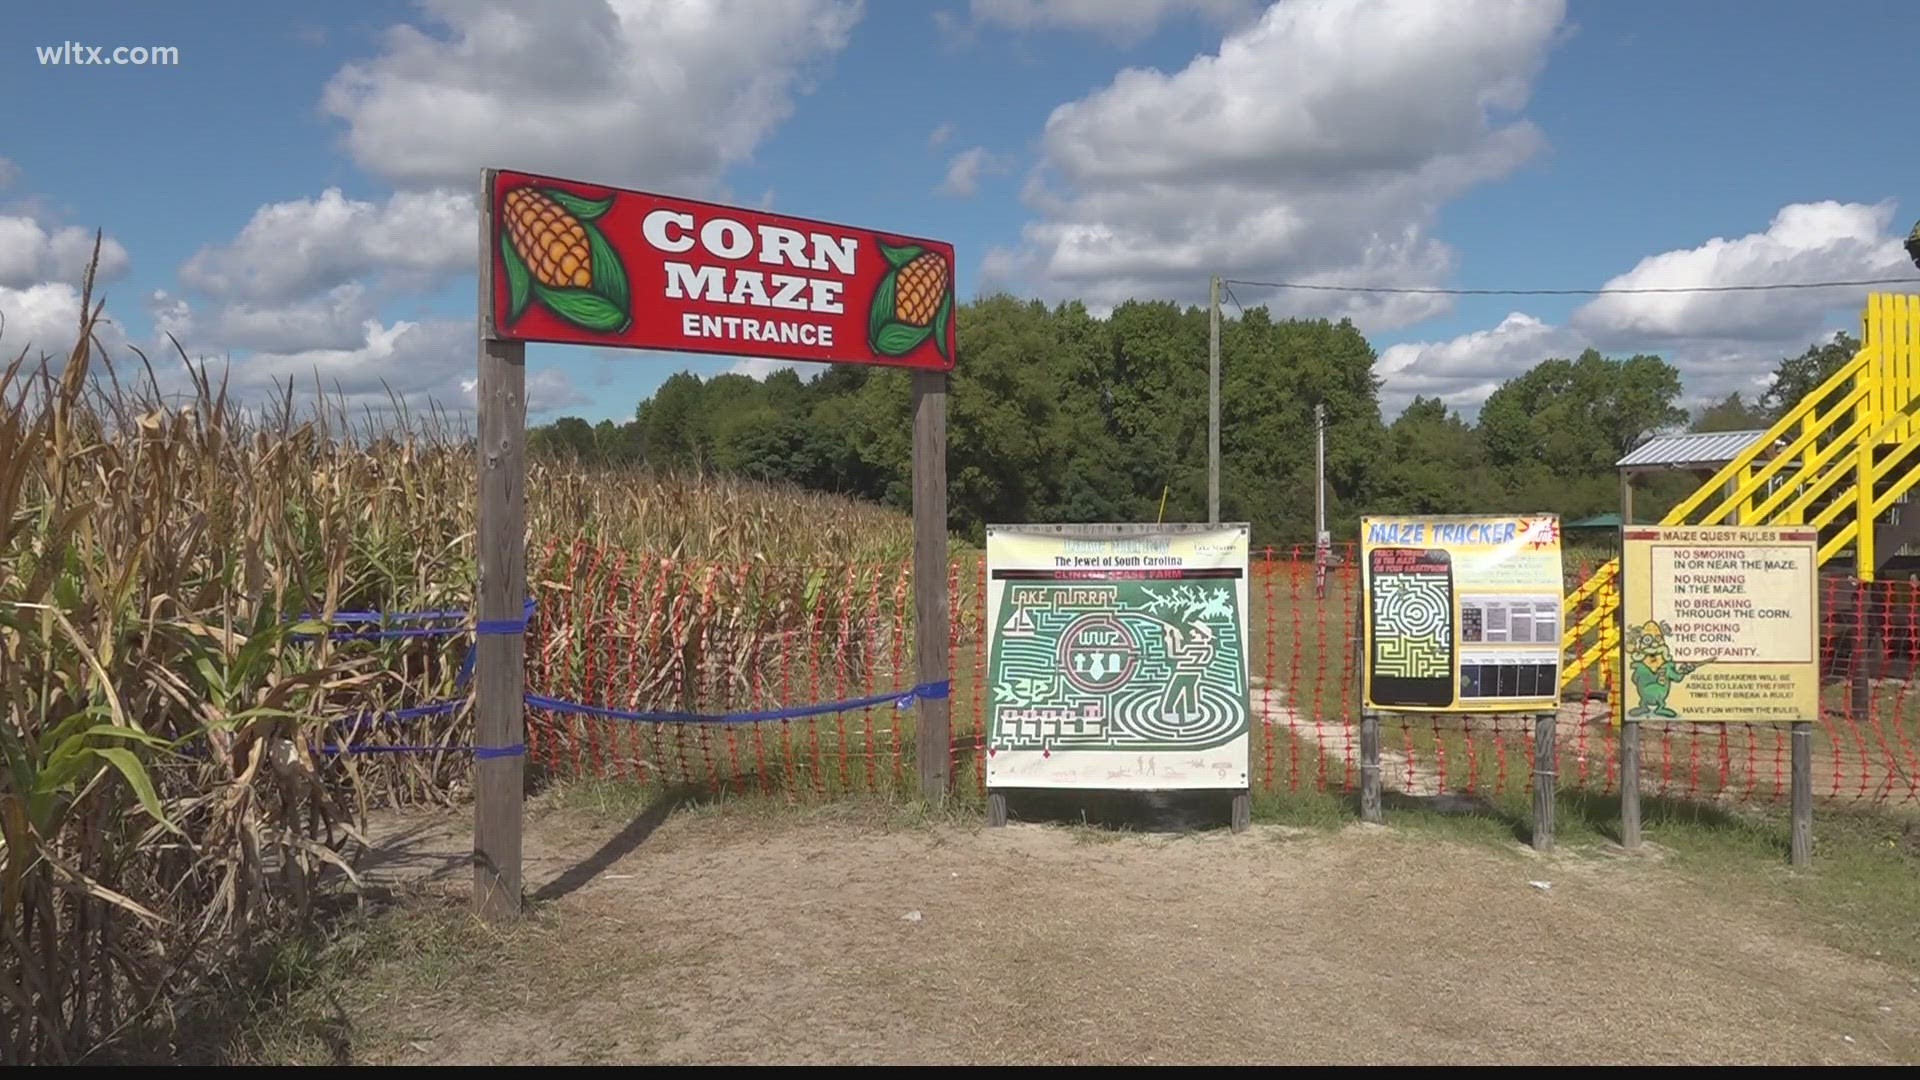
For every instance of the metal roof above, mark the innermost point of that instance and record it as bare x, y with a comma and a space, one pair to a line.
1684, 451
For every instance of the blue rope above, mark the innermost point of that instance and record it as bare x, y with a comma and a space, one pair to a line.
432, 708
480, 753
485, 626
901, 699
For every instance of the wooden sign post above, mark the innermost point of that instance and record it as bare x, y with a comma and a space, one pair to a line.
932, 616
501, 586
563, 262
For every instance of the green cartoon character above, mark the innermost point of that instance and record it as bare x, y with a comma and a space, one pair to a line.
1652, 669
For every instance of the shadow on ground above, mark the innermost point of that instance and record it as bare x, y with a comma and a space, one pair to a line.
1142, 811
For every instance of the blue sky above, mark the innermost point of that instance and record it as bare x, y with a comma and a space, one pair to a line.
1479, 143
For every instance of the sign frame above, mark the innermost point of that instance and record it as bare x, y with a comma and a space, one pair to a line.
1646, 689
651, 260
1437, 537
500, 531
1235, 752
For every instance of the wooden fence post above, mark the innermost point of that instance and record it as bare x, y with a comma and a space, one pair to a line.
1545, 773
931, 610
1629, 783
500, 543
1370, 766
1801, 848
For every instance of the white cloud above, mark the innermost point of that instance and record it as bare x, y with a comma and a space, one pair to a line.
328, 321
416, 362
1464, 370
38, 320
966, 169
1823, 241
939, 135
1123, 22
1719, 342
1317, 145
32, 253
295, 249
9, 172
42, 267
651, 93
760, 367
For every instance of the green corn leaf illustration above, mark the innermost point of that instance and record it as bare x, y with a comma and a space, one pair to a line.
519, 281
584, 209
609, 277
899, 339
585, 309
898, 257
940, 320
880, 312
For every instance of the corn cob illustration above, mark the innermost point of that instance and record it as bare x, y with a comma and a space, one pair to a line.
553, 252
913, 302
549, 240
920, 288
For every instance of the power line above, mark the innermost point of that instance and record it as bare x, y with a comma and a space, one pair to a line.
1774, 287
1236, 300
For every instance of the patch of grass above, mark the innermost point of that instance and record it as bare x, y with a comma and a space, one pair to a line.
619, 802
1862, 893
391, 982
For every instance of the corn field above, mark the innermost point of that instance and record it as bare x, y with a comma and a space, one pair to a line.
170, 566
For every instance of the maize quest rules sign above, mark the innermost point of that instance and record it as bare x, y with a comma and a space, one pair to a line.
1721, 624
1462, 614
586, 265
1117, 657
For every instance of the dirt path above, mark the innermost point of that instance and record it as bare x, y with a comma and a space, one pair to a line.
760, 938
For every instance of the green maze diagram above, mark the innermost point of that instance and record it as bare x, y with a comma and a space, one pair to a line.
1127, 665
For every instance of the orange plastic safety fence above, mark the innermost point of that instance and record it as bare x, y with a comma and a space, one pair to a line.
651, 634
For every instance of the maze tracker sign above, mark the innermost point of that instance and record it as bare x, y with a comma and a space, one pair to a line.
1462, 614
1720, 624
1117, 657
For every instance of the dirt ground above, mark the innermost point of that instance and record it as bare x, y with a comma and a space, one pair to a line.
711, 937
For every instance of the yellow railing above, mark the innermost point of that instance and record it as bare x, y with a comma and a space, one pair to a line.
1827, 441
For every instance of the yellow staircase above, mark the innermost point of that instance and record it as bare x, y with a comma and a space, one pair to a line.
1837, 461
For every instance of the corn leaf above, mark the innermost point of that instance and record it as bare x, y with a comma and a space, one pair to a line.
584, 209
583, 308
518, 280
940, 321
609, 277
898, 257
880, 314
130, 767
899, 339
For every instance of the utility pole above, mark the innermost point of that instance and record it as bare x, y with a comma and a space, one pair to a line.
1320, 472
1213, 404
1322, 542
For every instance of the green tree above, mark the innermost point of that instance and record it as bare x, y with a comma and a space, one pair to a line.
1434, 462
1731, 413
1555, 432
1798, 376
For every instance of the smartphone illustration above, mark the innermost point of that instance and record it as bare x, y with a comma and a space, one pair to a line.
1410, 632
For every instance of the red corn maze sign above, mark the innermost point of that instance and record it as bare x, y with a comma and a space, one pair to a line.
587, 265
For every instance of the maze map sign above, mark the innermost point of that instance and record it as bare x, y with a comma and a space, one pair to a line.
1117, 657
1720, 624
1461, 614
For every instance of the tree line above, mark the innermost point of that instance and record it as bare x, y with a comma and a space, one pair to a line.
1055, 415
